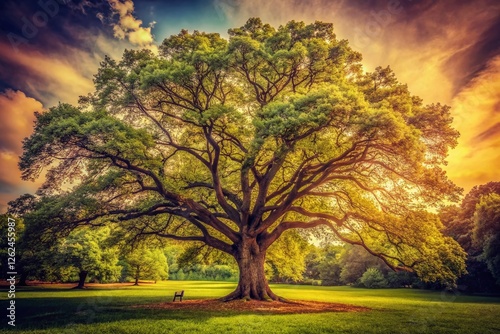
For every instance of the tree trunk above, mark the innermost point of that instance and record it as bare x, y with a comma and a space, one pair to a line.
22, 279
137, 271
252, 280
83, 276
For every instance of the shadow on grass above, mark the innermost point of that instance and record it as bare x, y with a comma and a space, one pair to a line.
58, 309
59, 313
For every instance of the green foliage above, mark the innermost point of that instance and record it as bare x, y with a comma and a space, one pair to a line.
487, 232
200, 263
346, 264
474, 225
210, 272
312, 261
373, 278
86, 250
146, 263
223, 142
285, 261
397, 279
35, 258
459, 221
10, 238
330, 266
355, 261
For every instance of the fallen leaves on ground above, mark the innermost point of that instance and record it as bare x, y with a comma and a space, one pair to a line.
273, 307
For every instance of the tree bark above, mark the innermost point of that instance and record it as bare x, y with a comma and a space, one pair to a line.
137, 271
252, 282
83, 276
22, 279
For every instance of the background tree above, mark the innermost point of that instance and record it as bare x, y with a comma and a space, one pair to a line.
85, 252
200, 262
4, 242
327, 265
373, 278
466, 223
355, 261
33, 255
146, 263
233, 142
459, 220
347, 264
285, 261
487, 232
312, 260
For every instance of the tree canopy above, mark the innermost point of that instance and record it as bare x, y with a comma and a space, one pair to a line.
487, 232
475, 226
85, 252
146, 263
233, 142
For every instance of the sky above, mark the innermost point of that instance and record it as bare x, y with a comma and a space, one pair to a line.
446, 51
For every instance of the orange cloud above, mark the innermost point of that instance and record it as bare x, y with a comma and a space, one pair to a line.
476, 159
16, 123
434, 47
16, 119
48, 77
61, 75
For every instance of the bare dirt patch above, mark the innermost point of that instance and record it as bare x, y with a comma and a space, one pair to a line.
274, 307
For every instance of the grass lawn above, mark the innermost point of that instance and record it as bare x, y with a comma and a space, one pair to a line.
101, 309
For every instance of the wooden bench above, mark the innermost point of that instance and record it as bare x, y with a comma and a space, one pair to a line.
179, 294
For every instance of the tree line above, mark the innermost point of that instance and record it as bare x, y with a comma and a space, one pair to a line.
96, 255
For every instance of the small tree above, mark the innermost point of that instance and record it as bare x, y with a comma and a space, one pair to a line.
355, 261
330, 266
85, 251
312, 260
373, 278
146, 263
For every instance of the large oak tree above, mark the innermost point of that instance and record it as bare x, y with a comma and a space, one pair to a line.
233, 142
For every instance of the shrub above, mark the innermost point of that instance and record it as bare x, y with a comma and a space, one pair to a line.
373, 278
400, 279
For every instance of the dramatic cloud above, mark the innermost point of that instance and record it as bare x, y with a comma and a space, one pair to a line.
16, 119
422, 41
444, 50
61, 73
48, 77
129, 27
476, 109
16, 123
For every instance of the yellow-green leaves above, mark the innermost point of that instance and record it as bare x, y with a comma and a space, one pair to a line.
235, 137
66, 132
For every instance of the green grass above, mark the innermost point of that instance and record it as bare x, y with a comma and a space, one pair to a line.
105, 310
